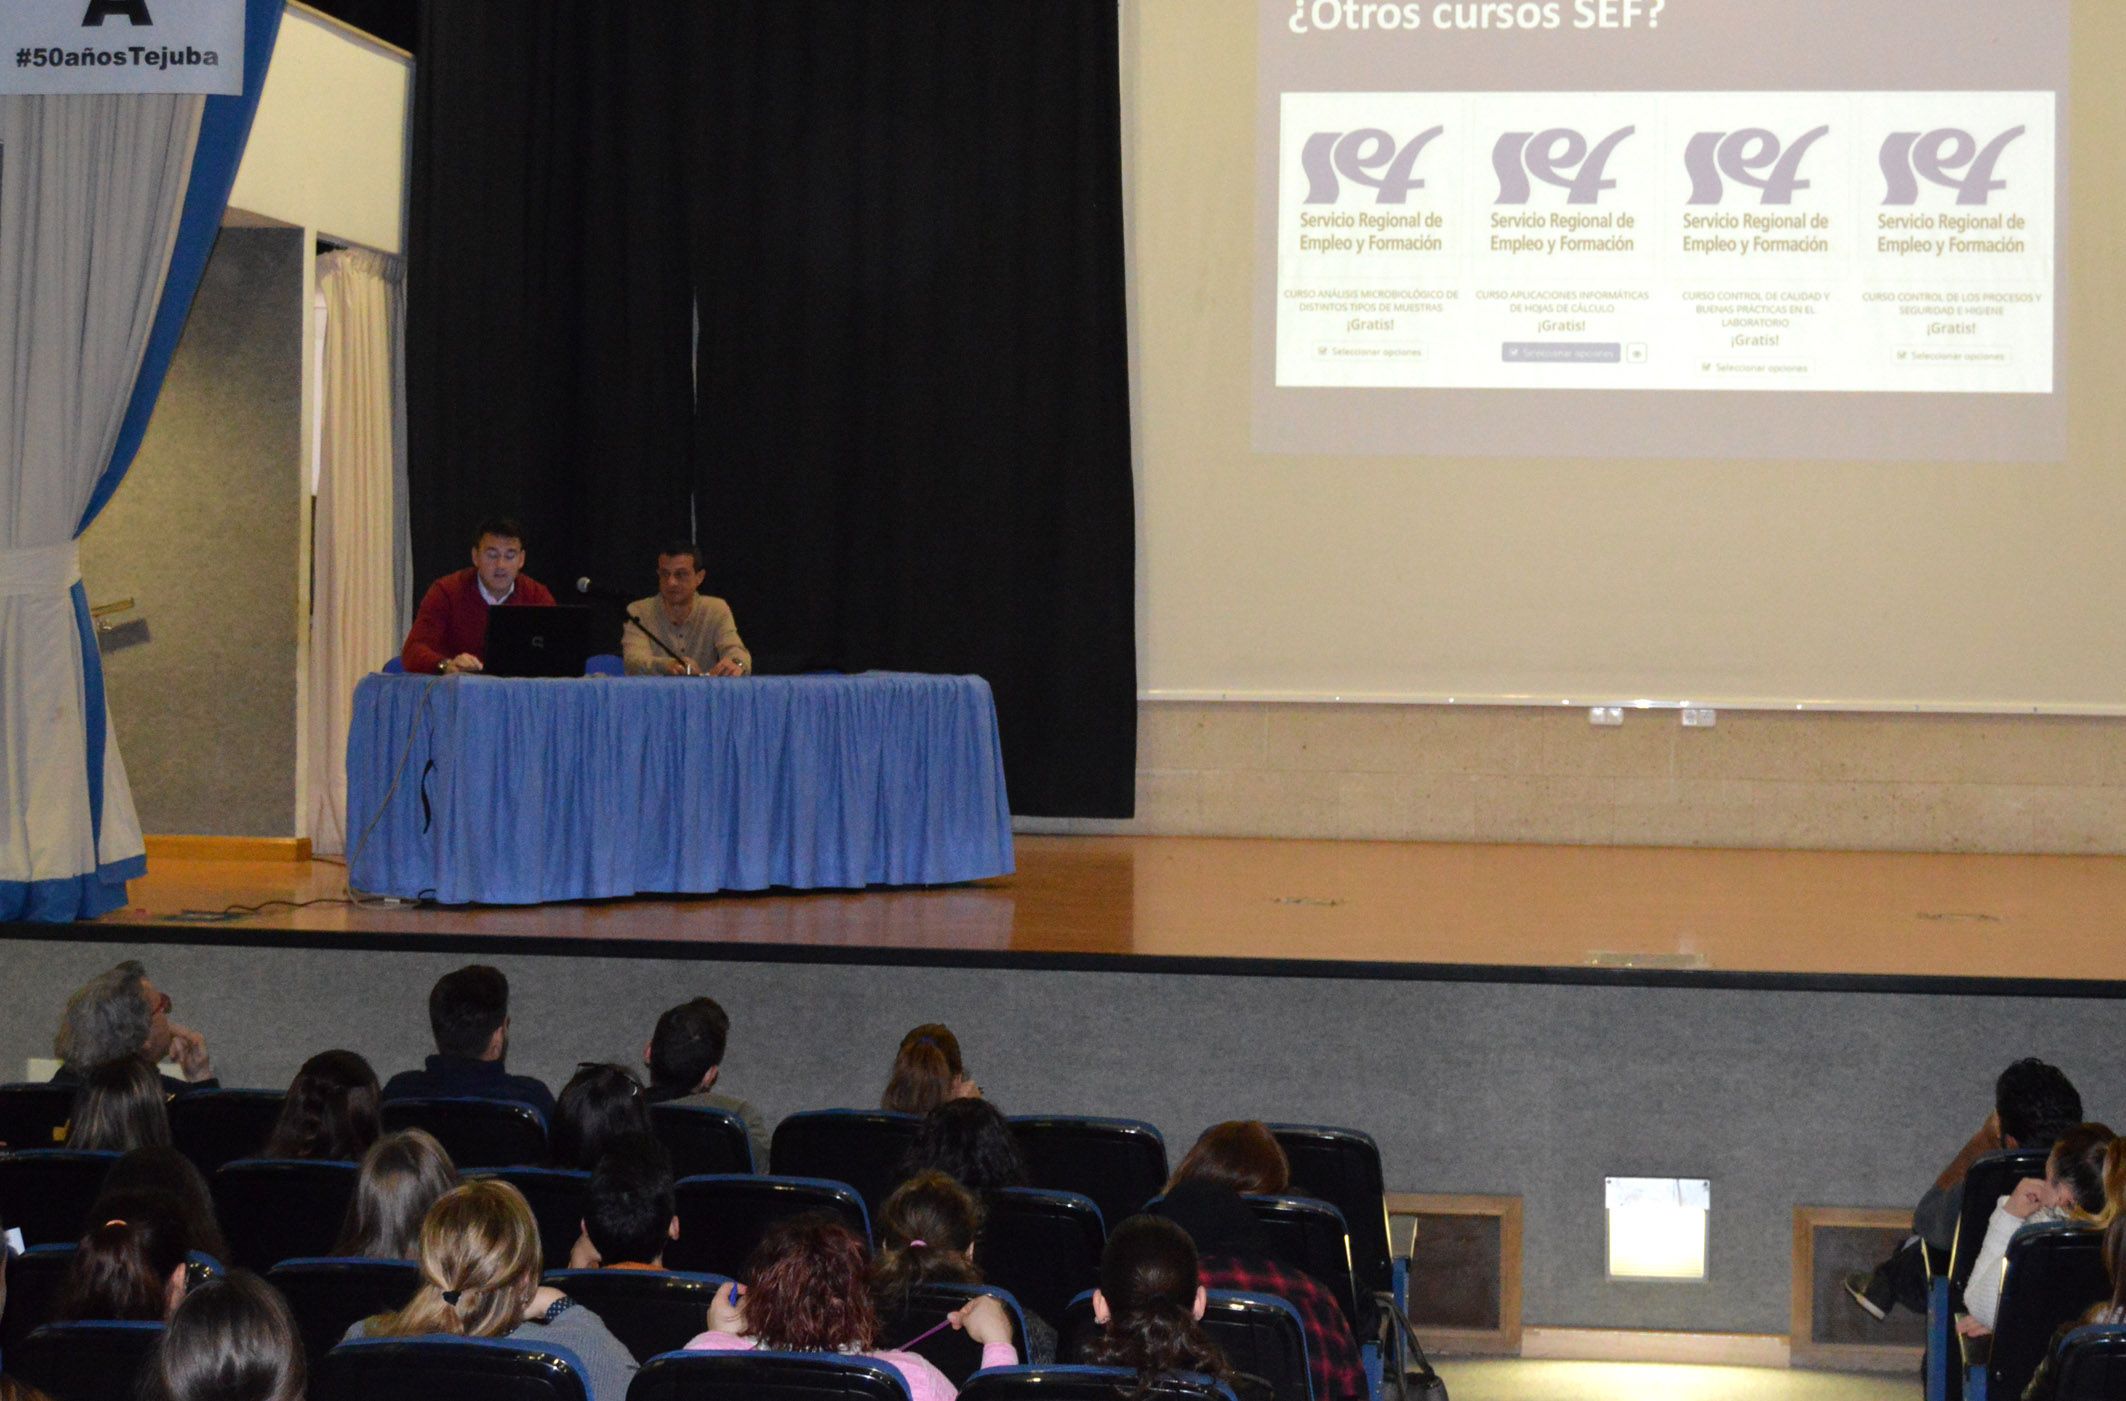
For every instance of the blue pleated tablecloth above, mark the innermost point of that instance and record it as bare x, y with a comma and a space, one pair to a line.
517, 791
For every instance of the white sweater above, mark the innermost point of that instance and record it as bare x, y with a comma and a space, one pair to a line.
1982, 1294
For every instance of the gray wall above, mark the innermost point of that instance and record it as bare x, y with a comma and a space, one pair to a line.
204, 534
1780, 1098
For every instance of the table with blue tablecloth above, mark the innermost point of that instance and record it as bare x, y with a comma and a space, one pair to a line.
476, 789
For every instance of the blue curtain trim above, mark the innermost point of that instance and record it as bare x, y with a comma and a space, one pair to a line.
94, 710
70, 897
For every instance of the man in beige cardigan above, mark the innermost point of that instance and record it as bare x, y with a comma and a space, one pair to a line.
694, 625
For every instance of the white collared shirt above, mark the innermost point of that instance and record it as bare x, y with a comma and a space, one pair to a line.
493, 600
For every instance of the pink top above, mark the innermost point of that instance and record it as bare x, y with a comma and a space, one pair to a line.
925, 1382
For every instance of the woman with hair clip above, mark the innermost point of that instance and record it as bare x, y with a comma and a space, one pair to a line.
480, 1279
131, 1266
926, 1235
119, 1107
970, 1141
1149, 1306
2072, 1189
10, 1389
807, 1289
597, 1105
171, 1174
402, 1175
232, 1339
331, 1110
928, 1072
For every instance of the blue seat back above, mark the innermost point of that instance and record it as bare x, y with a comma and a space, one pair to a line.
461, 1369
1260, 1334
394, 667
767, 1376
477, 1133
862, 1147
1085, 1384
275, 1209
1342, 1167
2092, 1364
948, 1349
703, 1140
722, 1217
216, 1127
328, 1295
1310, 1235
48, 1192
1992, 1177
2054, 1273
649, 1311
32, 1288
31, 1115
1119, 1163
558, 1199
1043, 1246
604, 664
99, 1361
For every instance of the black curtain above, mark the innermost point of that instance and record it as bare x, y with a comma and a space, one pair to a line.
913, 428
902, 225
549, 312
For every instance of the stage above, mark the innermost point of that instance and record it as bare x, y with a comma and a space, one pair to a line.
2046, 925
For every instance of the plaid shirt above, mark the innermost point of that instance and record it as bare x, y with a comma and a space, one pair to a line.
1332, 1353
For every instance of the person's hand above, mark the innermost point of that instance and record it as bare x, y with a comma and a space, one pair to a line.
984, 1320
464, 661
727, 1311
669, 666
189, 1049
726, 667
964, 1087
583, 1255
2032, 1194
1969, 1327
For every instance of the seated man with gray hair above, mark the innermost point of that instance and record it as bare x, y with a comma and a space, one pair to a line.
119, 1013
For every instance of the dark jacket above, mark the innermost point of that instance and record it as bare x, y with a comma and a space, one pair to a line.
67, 1075
448, 1076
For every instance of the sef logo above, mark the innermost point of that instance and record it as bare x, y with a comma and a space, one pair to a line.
1365, 157
1740, 156
1560, 157
1908, 156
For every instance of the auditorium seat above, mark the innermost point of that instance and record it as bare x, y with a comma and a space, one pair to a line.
32, 1287
1085, 1384
31, 1116
2092, 1364
462, 1369
1260, 1334
703, 1140
477, 1133
1311, 1235
604, 664
99, 1361
649, 1311
1342, 1167
557, 1198
48, 1192
1990, 1178
328, 1295
722, 1217
216, 1127
767, 1376
1041, 1245
275, 1209
394, 667
2054, 1273
862, 1147
948, 1349
1119, 1163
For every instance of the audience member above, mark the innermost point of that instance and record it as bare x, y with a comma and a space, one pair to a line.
169, 1173
2033, 1104
480, 1279
928, 1072
685, 1059
597, 1105
232, 1339
970, 1141
2044, 1386
926, 1235
468, 1011
630, 1210
331, 1110
1149, 1305
118, 1108
1235, 1253
120, 1013
402, 1175
2072, 1189
132, 1266
10, 1389
807, 1290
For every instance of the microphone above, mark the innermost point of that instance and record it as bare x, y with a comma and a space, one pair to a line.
589, 586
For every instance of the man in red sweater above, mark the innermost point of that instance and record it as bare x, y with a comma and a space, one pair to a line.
450, 630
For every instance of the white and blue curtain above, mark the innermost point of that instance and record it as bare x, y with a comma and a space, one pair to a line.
108, 210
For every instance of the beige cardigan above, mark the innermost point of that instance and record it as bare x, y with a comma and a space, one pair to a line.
707, 637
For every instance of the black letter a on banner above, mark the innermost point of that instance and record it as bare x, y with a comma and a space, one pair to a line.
134, 10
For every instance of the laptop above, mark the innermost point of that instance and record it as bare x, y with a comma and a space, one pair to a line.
537, 641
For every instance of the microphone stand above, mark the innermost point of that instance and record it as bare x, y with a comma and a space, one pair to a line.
653, 637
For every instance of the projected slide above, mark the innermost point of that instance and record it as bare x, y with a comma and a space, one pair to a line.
1667, 240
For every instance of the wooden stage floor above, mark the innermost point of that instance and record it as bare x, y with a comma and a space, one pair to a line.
1840, 919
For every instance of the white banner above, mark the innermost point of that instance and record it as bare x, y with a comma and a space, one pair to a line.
136, 46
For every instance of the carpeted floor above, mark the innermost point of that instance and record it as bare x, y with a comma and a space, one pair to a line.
1472, 1380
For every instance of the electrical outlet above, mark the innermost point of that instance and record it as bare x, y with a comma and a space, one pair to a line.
1700, 717
1605, 714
